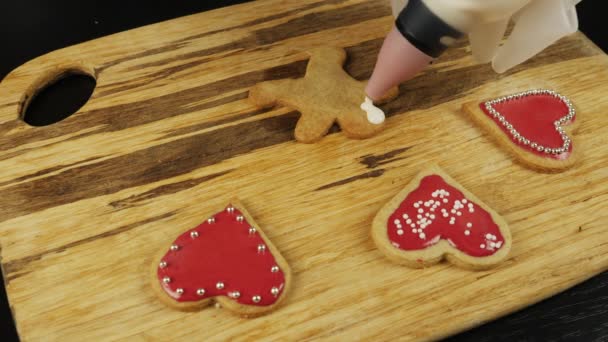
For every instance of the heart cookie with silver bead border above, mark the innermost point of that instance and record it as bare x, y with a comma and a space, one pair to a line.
228, 260
435, 218
533, 125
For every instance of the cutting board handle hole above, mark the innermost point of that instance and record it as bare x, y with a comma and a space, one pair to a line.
56, 97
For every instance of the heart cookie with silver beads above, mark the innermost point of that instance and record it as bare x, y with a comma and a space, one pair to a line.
534, 125
228, 260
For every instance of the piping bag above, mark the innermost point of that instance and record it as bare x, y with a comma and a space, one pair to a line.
424, 29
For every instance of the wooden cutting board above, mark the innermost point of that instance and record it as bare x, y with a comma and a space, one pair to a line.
168, 137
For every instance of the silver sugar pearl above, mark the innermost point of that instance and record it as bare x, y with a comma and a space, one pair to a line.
252, 230
174, 247
240, 218
274, 269
211, 220
234, 294
274, 291
219, 285
162, 264
200, 292
179, 291
193, 235
230, 210
256, 299
166, 280
261, 248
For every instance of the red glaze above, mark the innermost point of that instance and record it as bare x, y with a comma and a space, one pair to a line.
226, 252
533, 117
440, 227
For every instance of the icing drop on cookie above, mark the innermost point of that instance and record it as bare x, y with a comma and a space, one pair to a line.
223, 258
375, 115
439, 211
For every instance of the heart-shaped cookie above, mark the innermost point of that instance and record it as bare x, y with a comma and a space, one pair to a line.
226, 259
433, 218
532, 125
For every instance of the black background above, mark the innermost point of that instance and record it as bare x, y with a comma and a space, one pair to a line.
30, 28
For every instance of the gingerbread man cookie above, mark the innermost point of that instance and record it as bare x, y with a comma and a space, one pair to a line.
434, 218
532, 125
228, 260
325, 95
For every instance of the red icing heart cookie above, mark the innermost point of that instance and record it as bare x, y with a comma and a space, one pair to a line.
532, 125
434, 218
226, 259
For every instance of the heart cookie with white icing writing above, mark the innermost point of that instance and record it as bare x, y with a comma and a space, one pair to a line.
533, 125
434, 218
227, 259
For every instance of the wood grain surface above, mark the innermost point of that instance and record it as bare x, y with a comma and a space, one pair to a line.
168, 136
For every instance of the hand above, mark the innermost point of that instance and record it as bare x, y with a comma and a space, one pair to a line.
538, 24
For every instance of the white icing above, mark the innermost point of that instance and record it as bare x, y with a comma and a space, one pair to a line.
375, 115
